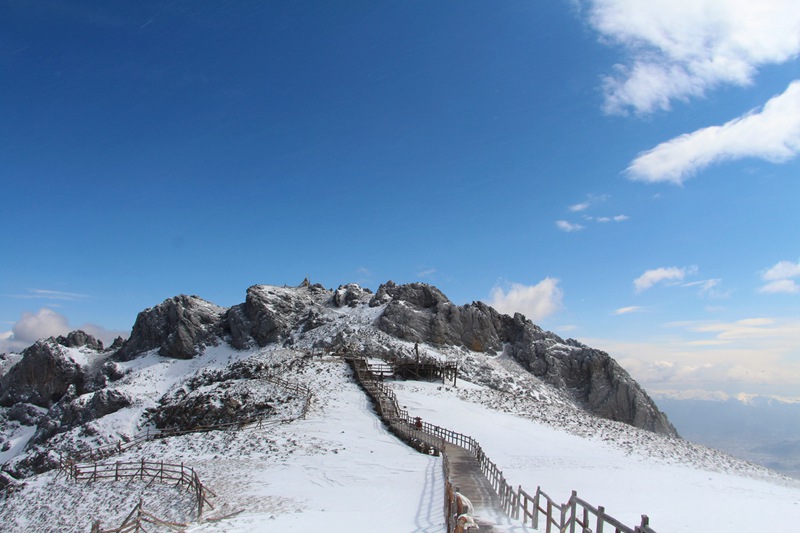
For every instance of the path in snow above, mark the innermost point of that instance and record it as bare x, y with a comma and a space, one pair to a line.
467, 478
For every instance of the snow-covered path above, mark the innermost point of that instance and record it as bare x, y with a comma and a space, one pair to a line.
678, 496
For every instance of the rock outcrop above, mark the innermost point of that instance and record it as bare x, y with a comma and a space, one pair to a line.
79, 338
178, 327
42, 376
421, 313
72, 411
269, 314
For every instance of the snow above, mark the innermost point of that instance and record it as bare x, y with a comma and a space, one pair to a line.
680, 492
339, 469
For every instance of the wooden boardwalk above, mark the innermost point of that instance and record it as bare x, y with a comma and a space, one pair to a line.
463, 467
466, 476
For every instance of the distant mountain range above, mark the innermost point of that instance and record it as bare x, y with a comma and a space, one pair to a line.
762, 429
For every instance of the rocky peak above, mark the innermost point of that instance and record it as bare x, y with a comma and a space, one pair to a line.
349, 295
177, 327
418, 294
419, 313
269, 313
42, 376
78, 339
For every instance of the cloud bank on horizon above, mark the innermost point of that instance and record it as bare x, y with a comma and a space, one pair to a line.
677, 51
46, 323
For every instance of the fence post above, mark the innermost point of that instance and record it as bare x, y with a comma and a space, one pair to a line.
536, 509
573, 506
601, 518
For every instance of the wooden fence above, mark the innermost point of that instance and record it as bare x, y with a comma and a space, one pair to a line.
144, 470
576, 513
135, 522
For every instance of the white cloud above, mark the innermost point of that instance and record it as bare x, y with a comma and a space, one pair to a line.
630, 309
534, 301
779, 278
579, 207
659, 275
44, 323
772, 134
426, 273
618, 218
781, 286
782, 270
682, 49
47, 323
569, 227
749, 355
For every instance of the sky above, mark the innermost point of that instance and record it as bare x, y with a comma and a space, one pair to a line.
622, 172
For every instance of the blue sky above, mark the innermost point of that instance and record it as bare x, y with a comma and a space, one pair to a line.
623, 172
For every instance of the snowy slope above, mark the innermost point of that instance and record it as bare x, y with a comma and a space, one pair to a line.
339, 469
682, 487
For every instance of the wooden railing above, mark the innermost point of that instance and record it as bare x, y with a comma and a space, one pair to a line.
565, 517
144, 471
136, 520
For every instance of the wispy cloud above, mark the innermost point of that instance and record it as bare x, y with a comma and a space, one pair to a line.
748, 355
661, 275
628, 310
772, 134
779, 278
426, 273
579, 207
618, 218
591, 200
45, 294
534, 301
679, 50
48, 323
569, 227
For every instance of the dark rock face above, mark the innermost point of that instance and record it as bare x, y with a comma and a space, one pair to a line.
420, 295
349, 295
25, 413
420, 313
42, 376
117, 344
70, 412
269, 313
78, 338
177, 327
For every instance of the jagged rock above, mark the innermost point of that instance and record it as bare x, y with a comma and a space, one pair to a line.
177, 327
25, 413
42, 376
420, 313
209, 402
116, 345
72, 411
79, 338
418, 294
270, 313
9, 485
349, 295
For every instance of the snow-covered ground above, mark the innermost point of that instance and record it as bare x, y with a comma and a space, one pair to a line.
339, 470
680, 486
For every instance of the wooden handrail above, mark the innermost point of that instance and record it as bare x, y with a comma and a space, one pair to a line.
513, 501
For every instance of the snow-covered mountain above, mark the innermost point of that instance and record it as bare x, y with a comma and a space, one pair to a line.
549, 411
